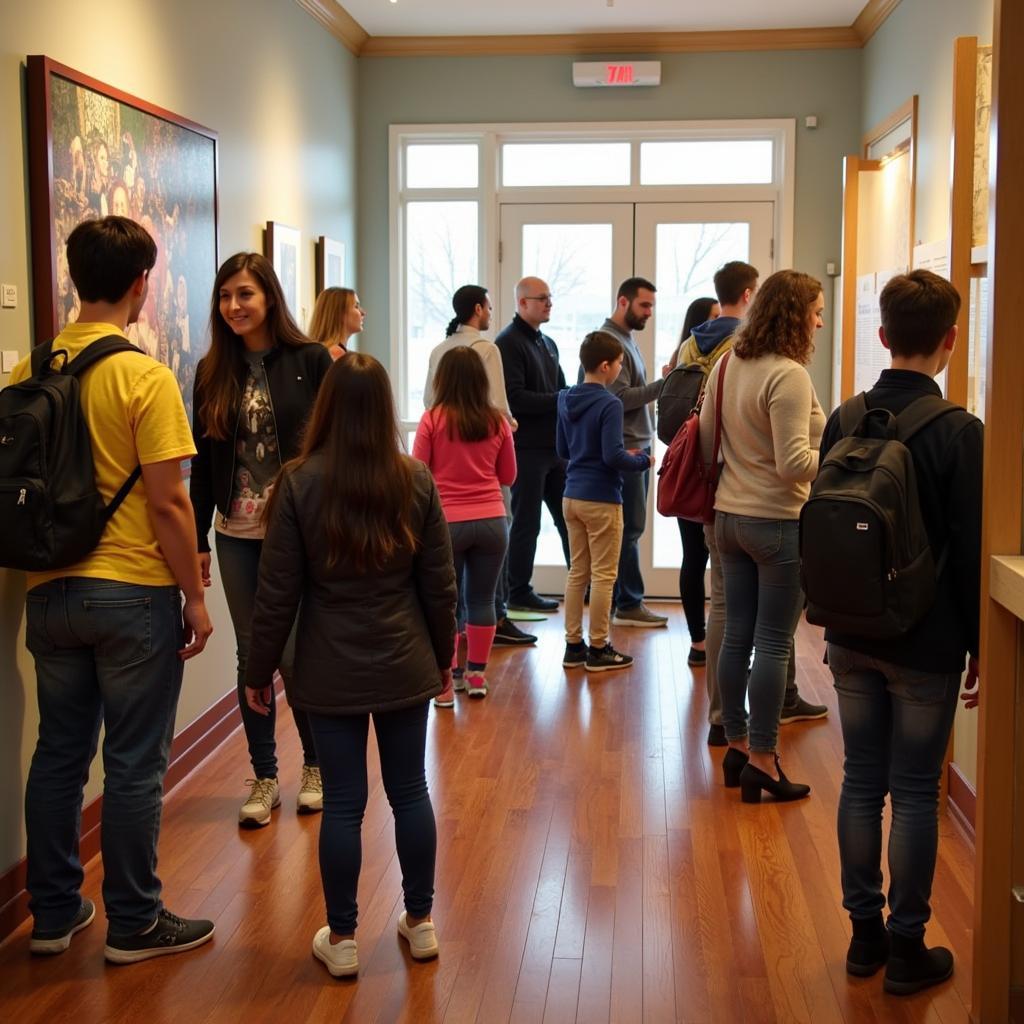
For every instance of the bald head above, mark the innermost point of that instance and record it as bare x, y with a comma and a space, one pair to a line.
533, 301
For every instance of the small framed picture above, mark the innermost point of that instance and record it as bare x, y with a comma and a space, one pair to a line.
330, 264
281, 246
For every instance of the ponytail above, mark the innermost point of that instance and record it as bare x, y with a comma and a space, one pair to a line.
453, 326
464, 302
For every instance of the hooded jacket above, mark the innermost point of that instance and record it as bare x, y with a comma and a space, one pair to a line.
589, 435
706, 343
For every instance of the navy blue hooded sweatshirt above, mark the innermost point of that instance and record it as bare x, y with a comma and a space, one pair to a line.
710, 334
589, 435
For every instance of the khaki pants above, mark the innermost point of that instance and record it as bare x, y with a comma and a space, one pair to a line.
595, 537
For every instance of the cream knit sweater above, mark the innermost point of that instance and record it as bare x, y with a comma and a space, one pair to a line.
771, 428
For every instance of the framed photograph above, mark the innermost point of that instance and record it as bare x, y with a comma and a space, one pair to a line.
281, 247
330, 264
95, 150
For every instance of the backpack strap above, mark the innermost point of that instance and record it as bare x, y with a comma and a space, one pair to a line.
40, 357
920, 413
851, 412
97, 350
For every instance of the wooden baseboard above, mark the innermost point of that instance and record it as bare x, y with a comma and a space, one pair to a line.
190, 746
962, 800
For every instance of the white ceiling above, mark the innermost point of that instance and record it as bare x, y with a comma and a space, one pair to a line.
527, 17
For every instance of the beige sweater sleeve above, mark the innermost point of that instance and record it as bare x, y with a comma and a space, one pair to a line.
790, 401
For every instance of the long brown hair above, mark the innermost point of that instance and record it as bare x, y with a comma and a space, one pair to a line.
223, 364
329, 314
366, 506
461, 389
778, 321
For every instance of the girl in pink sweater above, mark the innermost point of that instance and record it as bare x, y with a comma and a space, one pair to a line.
467, 444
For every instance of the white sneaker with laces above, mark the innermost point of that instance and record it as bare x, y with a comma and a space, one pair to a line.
422, 939
311, 792
341, 959
263, 797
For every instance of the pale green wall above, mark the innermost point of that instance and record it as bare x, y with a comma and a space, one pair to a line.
912, 54
282, 94
537, 89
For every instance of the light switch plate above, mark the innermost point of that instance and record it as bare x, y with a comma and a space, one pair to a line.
8, 360
9, 296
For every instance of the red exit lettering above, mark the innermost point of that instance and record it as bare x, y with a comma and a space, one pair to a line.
620, 74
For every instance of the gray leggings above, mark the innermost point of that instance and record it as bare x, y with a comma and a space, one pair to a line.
479, 547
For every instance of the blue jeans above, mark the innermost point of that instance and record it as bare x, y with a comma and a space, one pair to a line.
761, 567
479, 547
239, 562
629, 587
896, 723
401, 743
105, 652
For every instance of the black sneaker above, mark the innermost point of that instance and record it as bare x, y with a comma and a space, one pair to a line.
602, 659
170, 934
697, 657
575, 655
533, 602
57, 940
508, 634
801, 711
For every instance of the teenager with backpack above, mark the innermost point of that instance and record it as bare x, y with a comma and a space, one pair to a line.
107, 631
357, 535
771, 426
253, 391
467, 445
897, 683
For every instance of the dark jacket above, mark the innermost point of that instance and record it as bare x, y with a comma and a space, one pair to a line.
590, 437
366, 642
293, 376
533, 378
947, 458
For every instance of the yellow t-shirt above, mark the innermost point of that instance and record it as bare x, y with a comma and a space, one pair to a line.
135, 414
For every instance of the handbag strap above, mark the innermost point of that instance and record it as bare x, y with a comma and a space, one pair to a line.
718, 412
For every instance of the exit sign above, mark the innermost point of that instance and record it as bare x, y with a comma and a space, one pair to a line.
593, 74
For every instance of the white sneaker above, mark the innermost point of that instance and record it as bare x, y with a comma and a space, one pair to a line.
311, 792
263, 798
422, 939
341, 959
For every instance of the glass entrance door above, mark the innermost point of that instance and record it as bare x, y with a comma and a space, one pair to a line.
583, 251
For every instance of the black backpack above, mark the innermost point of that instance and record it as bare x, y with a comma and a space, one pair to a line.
52, 514
866, 564
679, 396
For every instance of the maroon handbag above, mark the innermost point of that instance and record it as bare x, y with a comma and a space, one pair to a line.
686, 486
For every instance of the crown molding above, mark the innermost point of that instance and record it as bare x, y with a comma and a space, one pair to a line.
607, 43
870, 19
338, 22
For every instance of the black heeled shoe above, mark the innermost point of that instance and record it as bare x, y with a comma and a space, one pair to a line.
732, 765
753, 781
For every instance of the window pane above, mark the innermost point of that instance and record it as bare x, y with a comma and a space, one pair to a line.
442, 166
440, 256
687, 257
707, 162
565, 163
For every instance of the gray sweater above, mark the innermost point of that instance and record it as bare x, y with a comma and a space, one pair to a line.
632, 389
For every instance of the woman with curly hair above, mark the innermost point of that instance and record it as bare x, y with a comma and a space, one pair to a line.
771, 427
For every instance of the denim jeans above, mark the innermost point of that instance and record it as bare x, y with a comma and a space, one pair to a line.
479, 547
629, 587
896, 723
105, 652
501, 587
239, 562
540, 480
401, 743
761, 568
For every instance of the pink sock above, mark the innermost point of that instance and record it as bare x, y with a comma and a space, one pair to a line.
455, 655
478, 643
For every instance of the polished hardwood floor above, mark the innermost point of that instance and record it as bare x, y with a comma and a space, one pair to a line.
591, 867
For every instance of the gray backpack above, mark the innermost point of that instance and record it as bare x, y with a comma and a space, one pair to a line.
866, 564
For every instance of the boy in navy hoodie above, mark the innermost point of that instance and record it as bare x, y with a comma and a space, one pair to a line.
589, 436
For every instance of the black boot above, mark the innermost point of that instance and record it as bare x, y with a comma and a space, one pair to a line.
869, 947
733, 763
753, 780
912, 966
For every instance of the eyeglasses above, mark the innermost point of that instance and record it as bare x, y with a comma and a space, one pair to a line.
540, 298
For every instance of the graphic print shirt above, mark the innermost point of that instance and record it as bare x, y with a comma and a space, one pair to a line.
257, 456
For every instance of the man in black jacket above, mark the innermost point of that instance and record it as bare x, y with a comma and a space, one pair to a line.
898, 695
533, 378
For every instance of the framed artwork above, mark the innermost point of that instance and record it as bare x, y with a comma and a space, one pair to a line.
281, 247
95, 150
330, 264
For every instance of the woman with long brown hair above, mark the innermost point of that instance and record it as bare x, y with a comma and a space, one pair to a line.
253, 391
357, 536
337, 315
467, 444
771, 427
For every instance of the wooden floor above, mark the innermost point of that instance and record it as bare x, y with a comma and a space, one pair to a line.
591, 867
